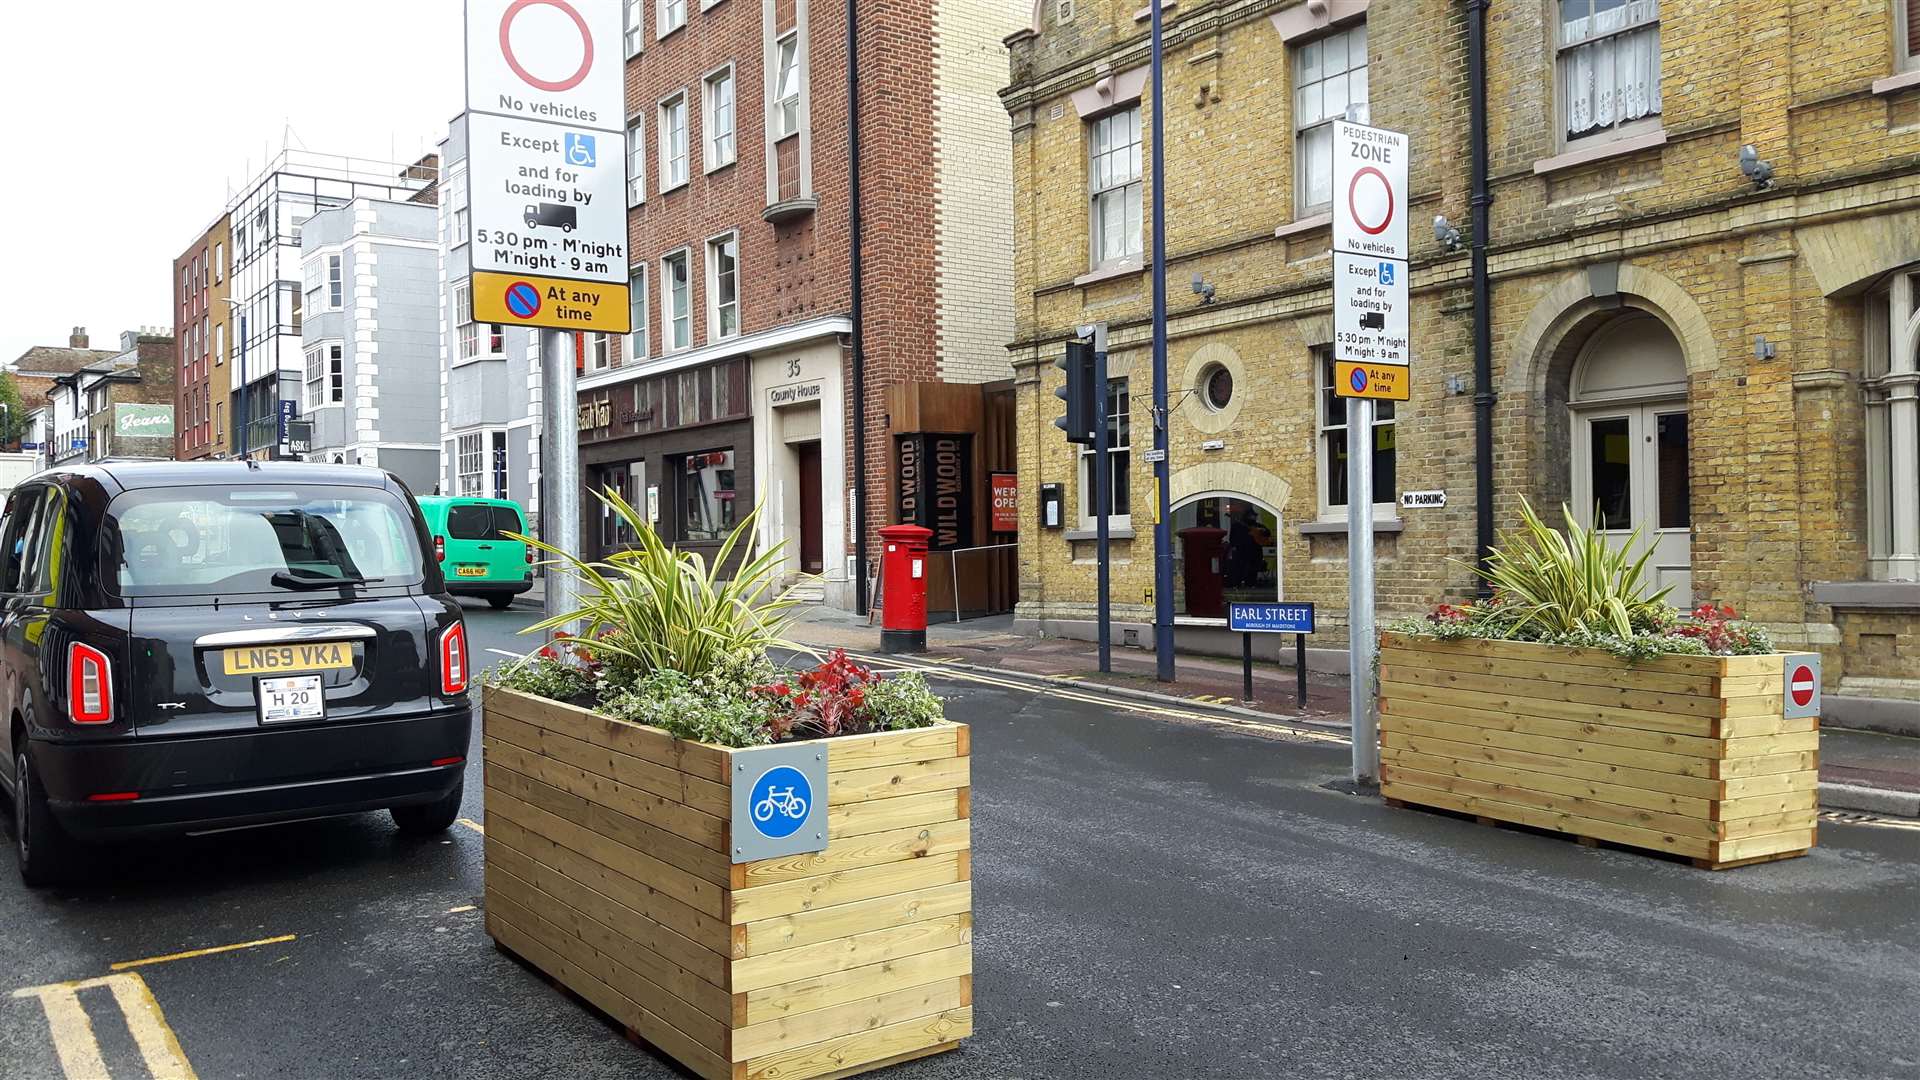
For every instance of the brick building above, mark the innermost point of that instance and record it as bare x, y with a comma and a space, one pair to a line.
120, 406
202, 314
1726, 364
737, 386
35, 370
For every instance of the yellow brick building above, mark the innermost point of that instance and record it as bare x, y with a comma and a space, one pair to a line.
1721, 356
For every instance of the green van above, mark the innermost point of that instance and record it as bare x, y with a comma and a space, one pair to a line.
476, 557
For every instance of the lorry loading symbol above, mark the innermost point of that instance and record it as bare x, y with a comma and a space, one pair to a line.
555, 214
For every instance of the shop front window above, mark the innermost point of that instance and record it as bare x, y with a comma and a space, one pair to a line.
1226, 549
708, 508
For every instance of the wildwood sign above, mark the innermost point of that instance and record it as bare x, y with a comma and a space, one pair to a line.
936, 487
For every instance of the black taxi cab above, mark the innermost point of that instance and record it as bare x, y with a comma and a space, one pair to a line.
196, 646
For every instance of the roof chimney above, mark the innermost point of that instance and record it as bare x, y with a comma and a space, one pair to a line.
78, 339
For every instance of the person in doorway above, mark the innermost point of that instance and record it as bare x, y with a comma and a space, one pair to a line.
1243, 548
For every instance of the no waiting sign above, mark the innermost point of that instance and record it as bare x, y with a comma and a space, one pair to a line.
1372, 343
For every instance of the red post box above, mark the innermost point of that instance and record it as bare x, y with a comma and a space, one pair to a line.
1206, 596
903, 588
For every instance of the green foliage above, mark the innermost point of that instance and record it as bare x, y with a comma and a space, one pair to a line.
706, 711
542, 676
901, 701
1574, 583
13, 422
657, 608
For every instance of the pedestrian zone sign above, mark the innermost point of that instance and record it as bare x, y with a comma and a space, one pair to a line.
1371, 335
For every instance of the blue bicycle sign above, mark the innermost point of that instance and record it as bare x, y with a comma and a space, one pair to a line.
780, 801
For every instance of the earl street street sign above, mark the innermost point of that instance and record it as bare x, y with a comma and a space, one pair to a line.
546, 164
1251, 618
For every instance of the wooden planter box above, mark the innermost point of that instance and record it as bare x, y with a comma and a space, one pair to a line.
607, 868
1690, 755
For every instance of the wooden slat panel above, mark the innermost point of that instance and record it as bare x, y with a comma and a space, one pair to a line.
1718, 666
698, 929
667, 813
891, 781
847, 886
649, 776
1769, 824
1646, 779
1542, 668
853, 852
834, 1056
1767, 765
1566, 805
1740, 727
1767, 805
824, 991
678, 852
880, 1010
1754, 846
1780, 783
695, 892
1461, 707
699, 1059
844, 920
859, 950
713, 763
885, 815
607, 957
850, 752
1615, 706
1542, 819
647, 743
1550, 783
1769, 745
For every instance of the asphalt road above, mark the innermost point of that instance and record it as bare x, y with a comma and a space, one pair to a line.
1155, 897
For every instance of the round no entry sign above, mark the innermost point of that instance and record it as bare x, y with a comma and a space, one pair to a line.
1801, 685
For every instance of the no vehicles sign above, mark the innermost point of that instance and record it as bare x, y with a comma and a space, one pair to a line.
1371, 337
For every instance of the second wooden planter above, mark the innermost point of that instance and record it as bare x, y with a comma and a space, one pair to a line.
1690, 755
609, 867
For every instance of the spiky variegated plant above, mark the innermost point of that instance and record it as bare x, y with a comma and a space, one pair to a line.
654, 606
1558, 585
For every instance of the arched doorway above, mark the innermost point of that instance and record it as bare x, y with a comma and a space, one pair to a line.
1627, 413
1226, 547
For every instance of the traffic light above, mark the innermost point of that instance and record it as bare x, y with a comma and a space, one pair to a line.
1082, 410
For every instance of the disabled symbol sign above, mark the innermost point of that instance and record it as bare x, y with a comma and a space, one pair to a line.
580, 150
523, 300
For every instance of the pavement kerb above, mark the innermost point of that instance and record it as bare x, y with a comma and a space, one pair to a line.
1137, 695
1871, 800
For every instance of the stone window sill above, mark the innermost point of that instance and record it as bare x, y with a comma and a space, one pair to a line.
1868, 594
1109, 273
1305, 224
1114, 532
1893, 84
1329, 528
789, 209
1587, 155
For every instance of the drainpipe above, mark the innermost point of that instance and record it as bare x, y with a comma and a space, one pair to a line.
859, 346
1482, 198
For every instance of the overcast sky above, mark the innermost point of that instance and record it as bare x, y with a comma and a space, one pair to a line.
127, 121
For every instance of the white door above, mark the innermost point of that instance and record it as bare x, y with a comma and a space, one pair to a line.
1630, 473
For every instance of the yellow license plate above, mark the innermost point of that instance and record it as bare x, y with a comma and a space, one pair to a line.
268, 659
470, 571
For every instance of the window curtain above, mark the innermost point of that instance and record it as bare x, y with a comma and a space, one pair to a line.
1610, 74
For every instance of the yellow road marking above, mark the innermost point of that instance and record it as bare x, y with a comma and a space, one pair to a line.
73, 1038
458, 910
474, 825
191, 953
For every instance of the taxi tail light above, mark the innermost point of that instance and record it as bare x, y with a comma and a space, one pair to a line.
529, 548
439, 549
89, 685
453, 659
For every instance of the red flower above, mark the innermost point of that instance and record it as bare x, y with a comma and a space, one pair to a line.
856, 697
546, 653
781, 689
561, 635
800, 701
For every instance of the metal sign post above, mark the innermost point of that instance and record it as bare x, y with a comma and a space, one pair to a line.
559, 462
1372, 353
